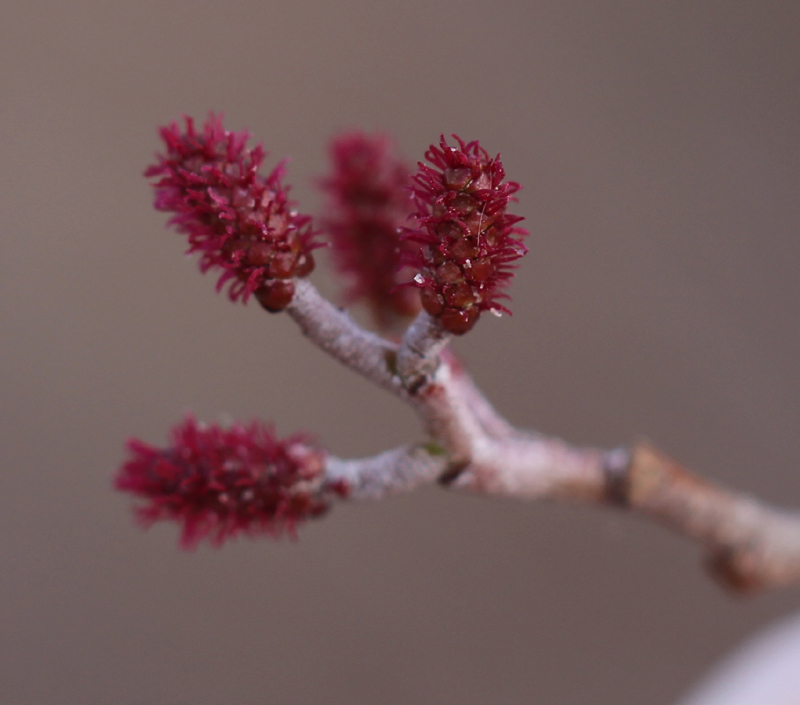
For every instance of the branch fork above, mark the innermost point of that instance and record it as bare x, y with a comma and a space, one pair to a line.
471, 448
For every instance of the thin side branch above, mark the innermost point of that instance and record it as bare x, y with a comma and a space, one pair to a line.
398, 470
332, 330
472, 398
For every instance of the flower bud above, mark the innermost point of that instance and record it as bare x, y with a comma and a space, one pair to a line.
238, 220
219, 482
368, 202
465, 240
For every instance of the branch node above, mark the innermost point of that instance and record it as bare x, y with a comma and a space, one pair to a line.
616, 467
451, 473
418, 356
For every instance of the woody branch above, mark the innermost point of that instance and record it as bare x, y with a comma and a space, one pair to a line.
748, 545
449, 250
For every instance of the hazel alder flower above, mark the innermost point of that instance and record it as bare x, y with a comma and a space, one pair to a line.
219, 483
238, 220
466, 241
369, 201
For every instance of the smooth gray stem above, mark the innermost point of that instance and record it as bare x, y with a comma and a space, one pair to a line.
332, 330
398, 470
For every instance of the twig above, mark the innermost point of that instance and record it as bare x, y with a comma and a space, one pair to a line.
333, 331
399, 470
467, 265
749, 546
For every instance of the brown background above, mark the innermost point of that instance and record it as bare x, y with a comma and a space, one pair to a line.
657, 143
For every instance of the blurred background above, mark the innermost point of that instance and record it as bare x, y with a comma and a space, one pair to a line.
658, 145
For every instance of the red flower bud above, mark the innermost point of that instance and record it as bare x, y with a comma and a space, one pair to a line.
369, 201
240, 221
219, 483
465, 241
